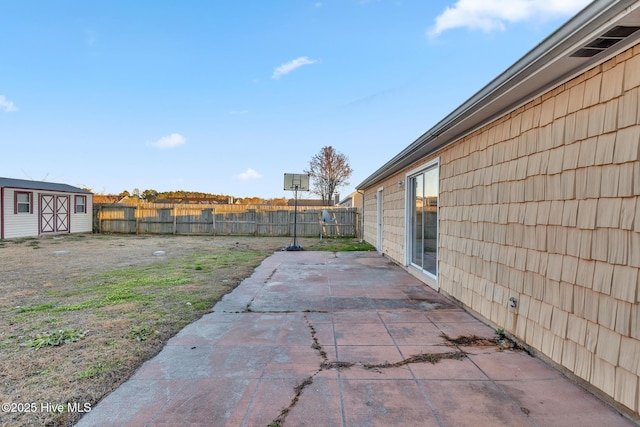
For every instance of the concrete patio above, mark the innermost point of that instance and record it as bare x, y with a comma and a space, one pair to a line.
347, 339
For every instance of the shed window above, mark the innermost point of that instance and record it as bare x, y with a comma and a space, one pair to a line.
81, 204
22, 202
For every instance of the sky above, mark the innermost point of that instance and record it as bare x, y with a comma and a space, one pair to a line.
225, 97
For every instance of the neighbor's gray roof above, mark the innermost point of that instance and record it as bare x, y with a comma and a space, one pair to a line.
544, 67
39, 185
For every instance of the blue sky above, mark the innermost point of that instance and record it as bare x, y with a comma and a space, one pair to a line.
226, 97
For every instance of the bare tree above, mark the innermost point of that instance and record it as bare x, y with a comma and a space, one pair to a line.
329, 170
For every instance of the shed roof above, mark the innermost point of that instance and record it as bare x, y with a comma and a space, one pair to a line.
560, 57
40, 185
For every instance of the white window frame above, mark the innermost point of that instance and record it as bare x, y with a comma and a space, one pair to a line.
83, 204
28, 203
432, 280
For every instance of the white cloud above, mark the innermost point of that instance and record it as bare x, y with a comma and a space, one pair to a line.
490, 15
285, 69
249, 175
170, 141
7, 106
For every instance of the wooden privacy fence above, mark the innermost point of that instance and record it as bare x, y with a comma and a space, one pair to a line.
225, 220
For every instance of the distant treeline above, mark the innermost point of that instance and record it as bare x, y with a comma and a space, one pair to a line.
182, 196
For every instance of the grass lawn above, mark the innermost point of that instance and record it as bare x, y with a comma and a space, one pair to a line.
71, 333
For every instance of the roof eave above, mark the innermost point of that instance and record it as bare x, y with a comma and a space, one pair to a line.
510, 89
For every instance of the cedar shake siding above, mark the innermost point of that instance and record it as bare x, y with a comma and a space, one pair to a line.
544, 206
540, 208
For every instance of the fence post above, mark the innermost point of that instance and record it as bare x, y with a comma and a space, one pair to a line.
136, 215
100, 220
213, 221
175, 220
255, 222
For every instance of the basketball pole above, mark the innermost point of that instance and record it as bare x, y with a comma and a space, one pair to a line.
295, 246
294, 182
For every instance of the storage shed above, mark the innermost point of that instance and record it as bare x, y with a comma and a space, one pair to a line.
523, 204
37, 208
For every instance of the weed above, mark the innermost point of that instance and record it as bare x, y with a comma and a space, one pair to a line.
432, 358
140, 333
37, 308
470, 340
56, 338
79, 306
336, 365
201, 305
47, 371
7, 342
98, 369
298, 392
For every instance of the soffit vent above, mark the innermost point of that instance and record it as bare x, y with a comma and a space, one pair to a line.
605, 41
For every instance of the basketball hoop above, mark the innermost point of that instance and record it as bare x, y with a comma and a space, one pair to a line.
295, 182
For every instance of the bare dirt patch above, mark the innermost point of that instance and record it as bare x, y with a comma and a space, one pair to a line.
121, 297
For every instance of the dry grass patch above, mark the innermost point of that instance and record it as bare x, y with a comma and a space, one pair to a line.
101, 309
104, 306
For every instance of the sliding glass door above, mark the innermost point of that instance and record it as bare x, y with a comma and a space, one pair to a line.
423, 189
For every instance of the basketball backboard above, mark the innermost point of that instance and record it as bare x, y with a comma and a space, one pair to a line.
296, 181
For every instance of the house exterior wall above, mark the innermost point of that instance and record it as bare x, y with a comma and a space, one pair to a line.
370, 217
543, 205
392, 221
354, 200
27, 224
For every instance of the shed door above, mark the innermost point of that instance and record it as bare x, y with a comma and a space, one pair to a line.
54, 213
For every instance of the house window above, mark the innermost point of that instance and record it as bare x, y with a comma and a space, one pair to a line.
22, 202
423, 199
81, 204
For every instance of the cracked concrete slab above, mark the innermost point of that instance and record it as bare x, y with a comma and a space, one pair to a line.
347, 339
